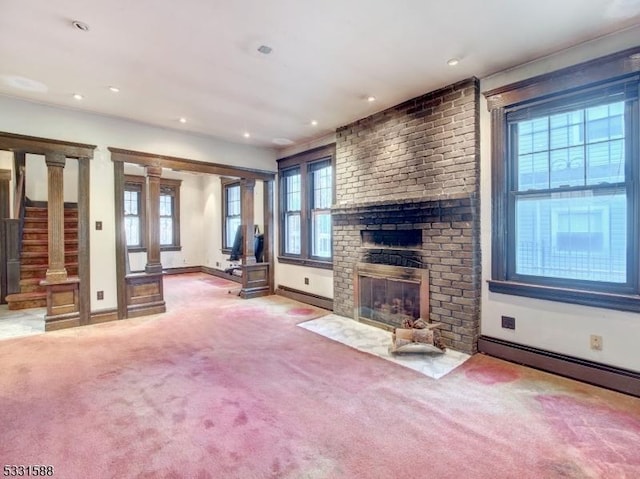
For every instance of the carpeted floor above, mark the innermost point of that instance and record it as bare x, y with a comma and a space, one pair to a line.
221, 387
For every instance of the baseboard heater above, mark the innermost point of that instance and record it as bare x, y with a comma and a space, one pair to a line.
304, 297
610, 377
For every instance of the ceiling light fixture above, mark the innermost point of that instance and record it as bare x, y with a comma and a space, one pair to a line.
453, 62
80, 25
246, 134
114, 89
371, 98
78, 96
282, 141
314, 122
265, 49
182, 120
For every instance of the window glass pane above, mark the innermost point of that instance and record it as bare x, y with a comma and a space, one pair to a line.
293, 192
580, 147
321, 179
321, 233
231, 229
233, 200
292, 233
131, 202
166, 230
166, 205
132, 229
577, 235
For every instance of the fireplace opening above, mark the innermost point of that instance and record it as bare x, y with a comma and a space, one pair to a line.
388, 295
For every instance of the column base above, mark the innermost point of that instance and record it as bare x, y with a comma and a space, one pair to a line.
63, 304
145, 294
255, 280
56, 275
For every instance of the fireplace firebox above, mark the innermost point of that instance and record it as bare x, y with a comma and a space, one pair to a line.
387, 295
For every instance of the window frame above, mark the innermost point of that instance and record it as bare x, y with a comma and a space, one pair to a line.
226, 184
138, 184
168, 185
575, 83
305, 162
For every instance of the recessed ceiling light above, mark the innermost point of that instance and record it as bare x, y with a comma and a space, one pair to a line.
246, 134
265, 49
182, 120
78, 96
282, 141
453, 62
114, 89
80, 25
314, 122
371, 98
23, 83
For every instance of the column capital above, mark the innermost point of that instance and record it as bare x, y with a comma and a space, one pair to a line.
248, 182
153, 171
55, 159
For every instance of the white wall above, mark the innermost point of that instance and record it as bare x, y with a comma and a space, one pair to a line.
6, 163
553, 326
33, 119
35, 187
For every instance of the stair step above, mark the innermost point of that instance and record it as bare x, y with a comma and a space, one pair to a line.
37, 211
26, 300
39, 271
42, 257
40, 245
44, 222
31, 285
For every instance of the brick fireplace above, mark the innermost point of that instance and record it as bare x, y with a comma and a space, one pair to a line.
407, 184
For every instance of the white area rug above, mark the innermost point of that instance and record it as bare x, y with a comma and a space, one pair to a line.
376, 341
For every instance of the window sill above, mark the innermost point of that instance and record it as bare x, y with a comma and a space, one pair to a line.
226, 250
170, 248
136, 249
597, 299
311, 263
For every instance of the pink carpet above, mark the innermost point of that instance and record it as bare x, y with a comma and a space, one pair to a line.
221, 387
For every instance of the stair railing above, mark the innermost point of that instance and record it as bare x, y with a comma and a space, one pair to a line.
14, 227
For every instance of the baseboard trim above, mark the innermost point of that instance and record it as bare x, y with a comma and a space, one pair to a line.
610, 377
103, 316
304, 297
182, 269
220, 274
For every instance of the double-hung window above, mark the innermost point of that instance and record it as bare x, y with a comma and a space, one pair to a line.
566, 198
306, 194
135, 213
231, 212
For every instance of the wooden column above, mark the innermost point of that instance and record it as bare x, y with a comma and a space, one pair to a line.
154, 264
56, 272
63, 302
269, 247
247, 187
84, 240
255, 276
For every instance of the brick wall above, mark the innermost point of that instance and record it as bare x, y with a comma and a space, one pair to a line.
416, 166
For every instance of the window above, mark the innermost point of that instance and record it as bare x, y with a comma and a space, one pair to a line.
306, 195
292, 192
565, 191
135, 213
230, 212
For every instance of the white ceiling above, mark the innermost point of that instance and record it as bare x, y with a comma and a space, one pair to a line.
198, 59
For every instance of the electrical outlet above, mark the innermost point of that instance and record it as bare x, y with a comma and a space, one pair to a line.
306, 281
99, 225
217, 263
596, 342
100, 295
508, 322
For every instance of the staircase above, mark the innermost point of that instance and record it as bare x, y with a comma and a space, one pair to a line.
34, 258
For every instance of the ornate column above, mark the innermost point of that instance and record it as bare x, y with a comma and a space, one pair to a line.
56, 272
255, 276
145, 291
154, 264
247, 218
63, 302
